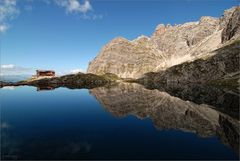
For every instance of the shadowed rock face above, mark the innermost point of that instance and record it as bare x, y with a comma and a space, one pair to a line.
168, 112
221, 69
232, 27
229, 132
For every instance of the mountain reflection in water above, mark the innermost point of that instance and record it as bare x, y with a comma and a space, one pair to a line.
221, 99
169, 112
118, 124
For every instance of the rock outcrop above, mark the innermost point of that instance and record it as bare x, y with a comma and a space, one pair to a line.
79, 80
232, 28
127, 59
222, 68
168, 46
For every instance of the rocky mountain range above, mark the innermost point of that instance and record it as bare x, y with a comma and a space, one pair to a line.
170, 46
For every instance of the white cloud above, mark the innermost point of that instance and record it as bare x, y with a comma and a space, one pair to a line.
11, 69
74, 6
3, 28
91, 16
74, 71
7, 66
8, 11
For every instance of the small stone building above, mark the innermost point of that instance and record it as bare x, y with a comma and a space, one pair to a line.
42, 73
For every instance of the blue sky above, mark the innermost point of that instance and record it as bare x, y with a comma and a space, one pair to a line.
64, 35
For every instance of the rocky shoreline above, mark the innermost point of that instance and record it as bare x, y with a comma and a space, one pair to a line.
79, 80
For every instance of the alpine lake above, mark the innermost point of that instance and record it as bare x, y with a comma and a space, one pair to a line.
121, 121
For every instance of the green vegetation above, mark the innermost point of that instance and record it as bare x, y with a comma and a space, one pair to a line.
229, 83
79, 80
110, 76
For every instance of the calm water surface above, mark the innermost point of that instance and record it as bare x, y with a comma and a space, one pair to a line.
126, 121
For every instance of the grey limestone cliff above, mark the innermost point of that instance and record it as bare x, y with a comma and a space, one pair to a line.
168, 46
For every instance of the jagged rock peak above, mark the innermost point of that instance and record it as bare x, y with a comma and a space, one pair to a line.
226, 16
232, 27
168, 46
141, 38
208, 20
187, 24
160, 26
119, 40
160, 29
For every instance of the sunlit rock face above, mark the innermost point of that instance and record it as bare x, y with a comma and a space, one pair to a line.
168, 46
181, 43
127, 59
167, 112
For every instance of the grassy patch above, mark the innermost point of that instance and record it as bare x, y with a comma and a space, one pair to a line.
229, 83
110, 76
